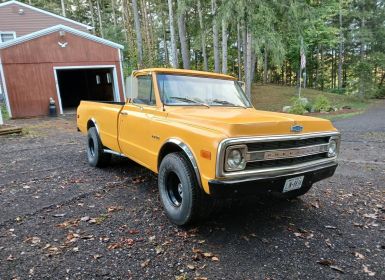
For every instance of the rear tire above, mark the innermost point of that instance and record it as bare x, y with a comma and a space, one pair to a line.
183, 200
95, 154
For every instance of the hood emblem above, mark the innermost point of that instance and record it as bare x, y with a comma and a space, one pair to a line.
296, 128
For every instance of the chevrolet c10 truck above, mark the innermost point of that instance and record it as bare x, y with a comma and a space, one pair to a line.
199, 132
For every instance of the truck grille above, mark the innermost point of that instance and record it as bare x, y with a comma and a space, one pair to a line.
263, 146
277, 154
285, 152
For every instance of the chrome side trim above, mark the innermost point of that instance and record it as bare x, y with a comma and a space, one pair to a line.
108, 151
189, 154
244, 140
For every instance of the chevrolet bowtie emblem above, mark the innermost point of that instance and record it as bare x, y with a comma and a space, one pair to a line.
296, 128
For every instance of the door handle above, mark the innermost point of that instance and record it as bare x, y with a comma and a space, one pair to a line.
124, 113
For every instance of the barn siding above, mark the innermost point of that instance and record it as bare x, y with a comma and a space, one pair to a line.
30, 21
28, 69
46, 49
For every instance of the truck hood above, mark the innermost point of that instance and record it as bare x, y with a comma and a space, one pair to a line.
238, 122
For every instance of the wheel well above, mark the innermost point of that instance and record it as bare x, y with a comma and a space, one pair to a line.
168, 148
90, 124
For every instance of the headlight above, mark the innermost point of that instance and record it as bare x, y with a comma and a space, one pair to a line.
235, 158
332, 149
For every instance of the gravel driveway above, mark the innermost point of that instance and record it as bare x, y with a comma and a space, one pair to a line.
61, 219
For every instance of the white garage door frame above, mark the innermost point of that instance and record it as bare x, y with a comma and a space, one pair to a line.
115, 87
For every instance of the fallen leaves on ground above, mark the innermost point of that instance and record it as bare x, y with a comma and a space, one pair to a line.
69, 223
121, 243
114, 209
198, 253
367, 271
330, 263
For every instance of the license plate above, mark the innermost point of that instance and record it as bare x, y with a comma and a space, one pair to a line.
293, 184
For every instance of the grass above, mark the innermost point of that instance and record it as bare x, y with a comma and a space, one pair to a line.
4, 112
274, 98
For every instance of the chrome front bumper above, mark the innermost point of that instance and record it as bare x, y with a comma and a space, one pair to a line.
267, 184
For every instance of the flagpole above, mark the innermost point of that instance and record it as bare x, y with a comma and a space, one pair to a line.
301, 66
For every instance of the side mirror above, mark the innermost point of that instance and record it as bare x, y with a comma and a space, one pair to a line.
131, 87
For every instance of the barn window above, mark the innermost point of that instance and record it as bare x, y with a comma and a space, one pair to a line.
7, 36
98, 80
109, 80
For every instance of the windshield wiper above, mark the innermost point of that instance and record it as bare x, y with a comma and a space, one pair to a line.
188, 100
224, 102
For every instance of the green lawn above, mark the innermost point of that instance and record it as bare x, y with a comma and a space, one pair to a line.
273, 98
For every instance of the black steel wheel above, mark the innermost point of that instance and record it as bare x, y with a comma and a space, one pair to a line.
95, 154
180, 194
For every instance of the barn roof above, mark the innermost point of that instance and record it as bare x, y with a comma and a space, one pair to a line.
57, 28
44, 12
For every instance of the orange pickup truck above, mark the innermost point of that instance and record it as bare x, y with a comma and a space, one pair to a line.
201, 135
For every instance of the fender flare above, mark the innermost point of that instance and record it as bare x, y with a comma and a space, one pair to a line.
189, 154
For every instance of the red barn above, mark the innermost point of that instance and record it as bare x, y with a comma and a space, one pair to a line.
64, 62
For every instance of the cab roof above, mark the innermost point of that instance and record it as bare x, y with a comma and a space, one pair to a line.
183, 72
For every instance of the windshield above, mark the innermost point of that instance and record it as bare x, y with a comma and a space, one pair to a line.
200, 91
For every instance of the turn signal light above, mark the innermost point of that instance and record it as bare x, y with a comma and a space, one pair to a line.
206, 154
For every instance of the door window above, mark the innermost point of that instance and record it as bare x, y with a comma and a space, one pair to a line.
145, 91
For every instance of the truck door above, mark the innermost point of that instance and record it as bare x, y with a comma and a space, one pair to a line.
135, 125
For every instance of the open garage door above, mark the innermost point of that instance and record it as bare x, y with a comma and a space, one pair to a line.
77, 84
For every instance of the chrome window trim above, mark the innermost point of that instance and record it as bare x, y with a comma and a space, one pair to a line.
220, 173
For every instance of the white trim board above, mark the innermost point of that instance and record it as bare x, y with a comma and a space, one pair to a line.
45, 12
57, 28
121, 74
115, 88
5, 89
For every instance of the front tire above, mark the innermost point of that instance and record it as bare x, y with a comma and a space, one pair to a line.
180, 194
95, 154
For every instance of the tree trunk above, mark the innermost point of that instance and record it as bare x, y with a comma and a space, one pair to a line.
215, 37
113, 12
224, 47
341, 47
174, 52
100, 19
248, 64
239, 52
322, 67
265, 64
183, 40
362, 58
253, 63
139, 42
332, 70
203, 37
146, 31
63, 8
91, 6
244, 49
165, 46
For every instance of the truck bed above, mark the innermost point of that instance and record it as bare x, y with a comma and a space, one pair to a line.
105, 115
